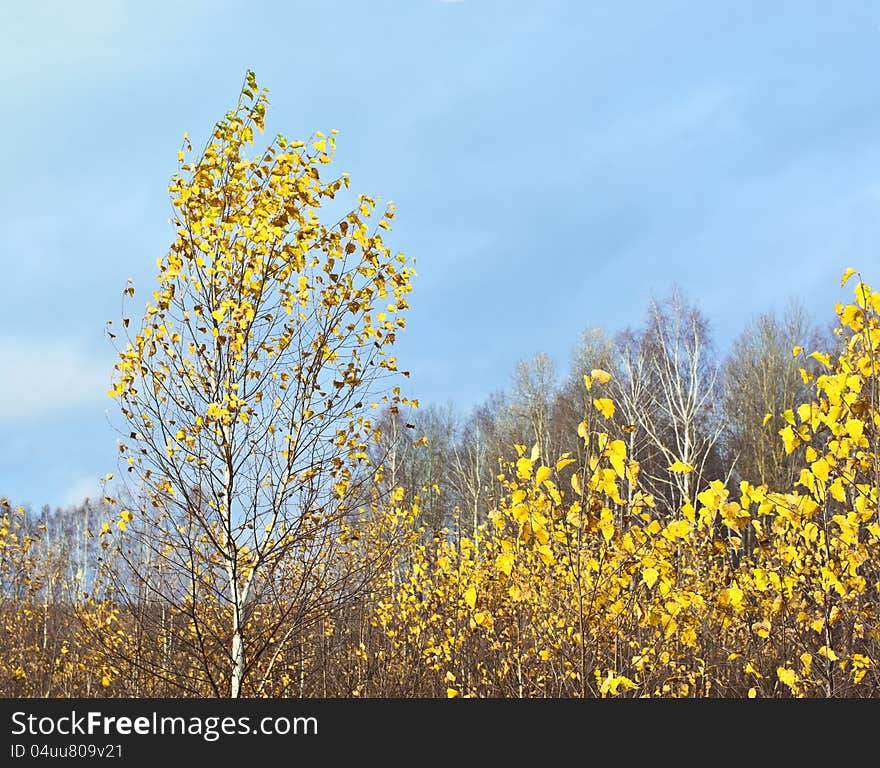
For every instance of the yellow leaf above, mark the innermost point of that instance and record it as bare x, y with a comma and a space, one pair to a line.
734, 594
470, 597
105, 681
855, 428
806, 662
524, 468
451, 693
603, 377
827, 653
541, 475
576, 484
820, 470
846, 276
796, 351
789, 439
606, 524
853, 317
680, 466
504, 563
787, 676
605, 406
563, 462
650, 576
767, 417
546, 554
520, 513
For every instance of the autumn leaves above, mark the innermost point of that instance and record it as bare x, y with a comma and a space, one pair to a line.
750, 591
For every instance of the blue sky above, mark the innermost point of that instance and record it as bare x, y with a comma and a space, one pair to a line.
553, 164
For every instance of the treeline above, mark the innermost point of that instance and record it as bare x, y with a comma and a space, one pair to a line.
675, 400
412, 583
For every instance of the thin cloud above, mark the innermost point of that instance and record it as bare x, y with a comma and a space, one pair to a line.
43, 377
82, 488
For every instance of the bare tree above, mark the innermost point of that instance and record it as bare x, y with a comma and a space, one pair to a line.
761, 376
669, 393
534, 386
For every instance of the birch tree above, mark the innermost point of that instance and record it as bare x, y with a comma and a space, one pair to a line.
669, 396
246, 390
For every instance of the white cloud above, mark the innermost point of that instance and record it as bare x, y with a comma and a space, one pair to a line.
42, 377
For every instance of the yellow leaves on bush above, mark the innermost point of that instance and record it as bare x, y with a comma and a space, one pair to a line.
853, 317
677, 529
613, 684
602, 592
125, 517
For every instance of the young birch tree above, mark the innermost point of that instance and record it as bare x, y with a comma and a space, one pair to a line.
247, 389
671, 395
